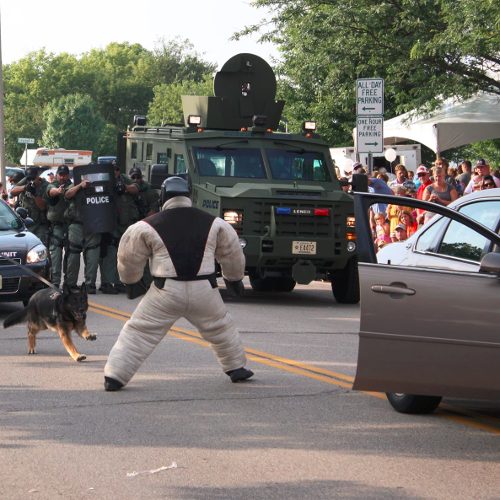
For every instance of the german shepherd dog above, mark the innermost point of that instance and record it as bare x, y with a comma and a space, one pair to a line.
59, 312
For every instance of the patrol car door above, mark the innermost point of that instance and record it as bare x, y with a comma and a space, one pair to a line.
428, 331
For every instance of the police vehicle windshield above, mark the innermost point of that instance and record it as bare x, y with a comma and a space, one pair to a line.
298, 165
7, 218
230, 162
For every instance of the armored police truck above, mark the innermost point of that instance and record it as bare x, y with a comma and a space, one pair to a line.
278, 190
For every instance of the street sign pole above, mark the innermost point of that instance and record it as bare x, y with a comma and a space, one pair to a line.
369, 119
25, 141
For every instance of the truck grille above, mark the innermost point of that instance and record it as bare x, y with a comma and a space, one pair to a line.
5, 262
297, 225
10, 285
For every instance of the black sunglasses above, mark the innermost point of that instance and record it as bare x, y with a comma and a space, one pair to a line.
489, 184
136, 177
422, 175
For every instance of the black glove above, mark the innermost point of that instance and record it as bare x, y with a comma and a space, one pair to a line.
136, 290
121, 188
235, 288
30, 189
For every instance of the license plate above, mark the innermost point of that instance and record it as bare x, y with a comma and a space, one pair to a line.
304, 247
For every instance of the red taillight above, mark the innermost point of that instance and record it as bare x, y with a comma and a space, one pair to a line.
322, 211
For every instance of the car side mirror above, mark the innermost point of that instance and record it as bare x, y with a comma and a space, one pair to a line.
490, 263
359, 183
29, 222
22, 212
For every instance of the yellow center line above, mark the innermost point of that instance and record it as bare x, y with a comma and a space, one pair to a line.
449, 412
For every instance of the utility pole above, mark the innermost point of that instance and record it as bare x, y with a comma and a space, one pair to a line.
2, 130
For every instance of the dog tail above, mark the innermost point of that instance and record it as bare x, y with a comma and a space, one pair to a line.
16, 318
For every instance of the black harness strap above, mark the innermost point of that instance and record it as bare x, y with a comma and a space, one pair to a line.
184, 231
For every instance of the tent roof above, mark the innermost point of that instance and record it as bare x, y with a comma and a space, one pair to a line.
454, 124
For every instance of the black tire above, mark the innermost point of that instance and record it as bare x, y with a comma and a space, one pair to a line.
261, 284
408, 403
345, 283
284, 284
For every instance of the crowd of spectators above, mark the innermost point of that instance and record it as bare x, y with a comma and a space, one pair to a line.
440, 184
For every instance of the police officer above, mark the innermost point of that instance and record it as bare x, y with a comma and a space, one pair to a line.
148, 202
34, 199
182, 244
127, 214
56, 206
80, 240
149, 197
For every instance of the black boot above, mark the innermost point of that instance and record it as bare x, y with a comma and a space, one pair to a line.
239, 375
109, 289
110, 384
120, 288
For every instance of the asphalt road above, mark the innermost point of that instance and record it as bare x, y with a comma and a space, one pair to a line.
294, 431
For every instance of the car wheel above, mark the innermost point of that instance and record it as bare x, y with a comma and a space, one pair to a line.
408, 403
345, 283
284, 284
261, 284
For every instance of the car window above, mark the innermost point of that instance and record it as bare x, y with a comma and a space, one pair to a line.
429, 239
298, 165
7, 218
230, 162
486, 212
464, 243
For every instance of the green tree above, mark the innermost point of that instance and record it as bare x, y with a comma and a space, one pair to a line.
176, 60
108, 141
166, 106
426, 50
113, 80
73, 122
29, 85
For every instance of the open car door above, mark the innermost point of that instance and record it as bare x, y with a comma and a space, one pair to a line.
427, 333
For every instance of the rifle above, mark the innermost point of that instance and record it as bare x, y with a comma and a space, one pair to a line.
49, 256
140, 207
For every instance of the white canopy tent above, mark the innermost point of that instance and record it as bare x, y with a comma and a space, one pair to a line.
454, 124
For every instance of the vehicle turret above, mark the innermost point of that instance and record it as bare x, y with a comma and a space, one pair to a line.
244, 87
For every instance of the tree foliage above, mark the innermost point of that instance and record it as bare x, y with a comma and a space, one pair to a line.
426, 50
166, 106
75, 120
120, 80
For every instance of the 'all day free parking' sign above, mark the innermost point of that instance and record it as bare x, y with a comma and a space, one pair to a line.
369, 96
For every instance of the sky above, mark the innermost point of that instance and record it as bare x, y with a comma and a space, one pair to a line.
77, 27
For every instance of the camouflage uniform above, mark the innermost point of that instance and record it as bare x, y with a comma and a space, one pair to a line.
56, 208
127, 214
150, 202
81, 240
41, 225
149, 197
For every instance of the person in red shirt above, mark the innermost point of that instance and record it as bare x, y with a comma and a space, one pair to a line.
425, 180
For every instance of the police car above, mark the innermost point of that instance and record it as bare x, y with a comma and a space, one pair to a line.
22, 247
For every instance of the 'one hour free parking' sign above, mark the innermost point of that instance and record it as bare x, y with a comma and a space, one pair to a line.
370, 134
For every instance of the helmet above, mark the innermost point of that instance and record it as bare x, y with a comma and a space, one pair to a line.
174, 186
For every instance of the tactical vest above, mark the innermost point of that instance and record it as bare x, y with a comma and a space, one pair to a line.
128, 213
71, 213
57, 206
29, 203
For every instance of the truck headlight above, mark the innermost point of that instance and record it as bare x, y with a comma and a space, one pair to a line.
243, 242
351, 246
233, 217
36, 254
